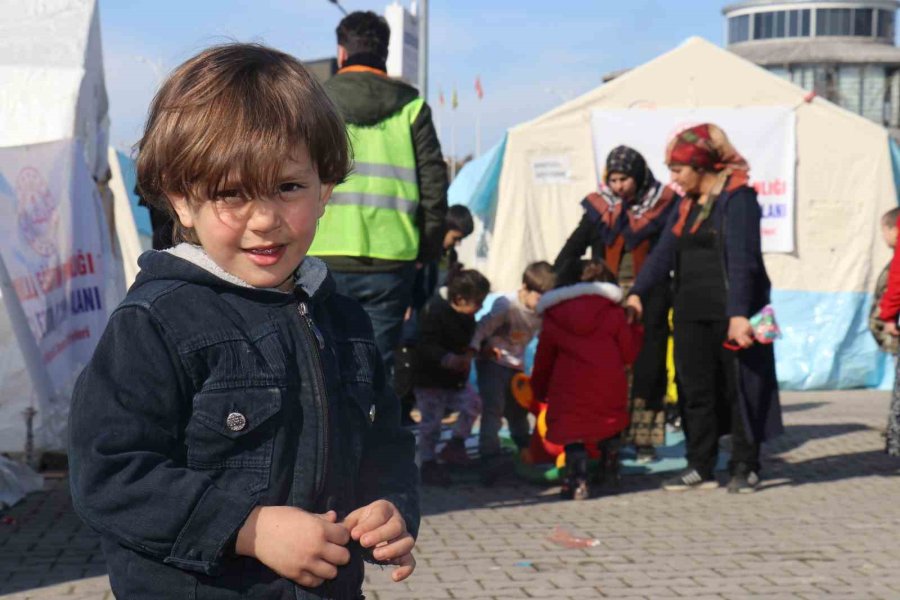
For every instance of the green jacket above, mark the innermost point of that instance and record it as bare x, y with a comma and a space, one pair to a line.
366, 98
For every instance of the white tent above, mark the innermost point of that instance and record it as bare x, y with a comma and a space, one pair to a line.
51, 76
844, 183
53, 104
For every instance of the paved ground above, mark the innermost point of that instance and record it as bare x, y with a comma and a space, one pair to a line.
825, 526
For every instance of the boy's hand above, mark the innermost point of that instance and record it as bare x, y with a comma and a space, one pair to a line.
304, 547
890, 328
381, 526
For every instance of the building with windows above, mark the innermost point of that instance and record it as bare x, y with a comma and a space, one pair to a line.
844, 50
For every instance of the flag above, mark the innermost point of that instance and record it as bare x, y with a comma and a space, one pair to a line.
478, 89
454, 101
441, 97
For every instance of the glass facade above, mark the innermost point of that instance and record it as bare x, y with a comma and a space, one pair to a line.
831, 22
872, 91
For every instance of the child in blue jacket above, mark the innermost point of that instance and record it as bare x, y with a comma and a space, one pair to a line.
233, 435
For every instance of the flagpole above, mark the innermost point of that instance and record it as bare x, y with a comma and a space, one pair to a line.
478, 129
453, 145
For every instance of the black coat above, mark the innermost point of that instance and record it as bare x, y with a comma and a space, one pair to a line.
442, 331
737, 214
205, 399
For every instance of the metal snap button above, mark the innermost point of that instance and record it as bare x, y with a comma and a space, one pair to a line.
236, 421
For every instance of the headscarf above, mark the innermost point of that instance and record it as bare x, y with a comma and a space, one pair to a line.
705, 147
648, 202
629, 161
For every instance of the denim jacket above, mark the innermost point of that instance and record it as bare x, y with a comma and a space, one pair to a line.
206, 398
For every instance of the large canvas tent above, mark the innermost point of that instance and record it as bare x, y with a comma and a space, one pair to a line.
53, 129
844, 183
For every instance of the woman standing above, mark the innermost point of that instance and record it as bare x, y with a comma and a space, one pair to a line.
712, 244
622, 222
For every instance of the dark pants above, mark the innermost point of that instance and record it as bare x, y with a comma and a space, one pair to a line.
649, 369
708, 394
385, 297
494, 385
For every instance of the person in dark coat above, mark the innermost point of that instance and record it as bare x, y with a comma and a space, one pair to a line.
441, 371
584, 348
622, 223
712, 243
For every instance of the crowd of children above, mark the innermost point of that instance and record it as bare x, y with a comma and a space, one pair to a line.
585, 346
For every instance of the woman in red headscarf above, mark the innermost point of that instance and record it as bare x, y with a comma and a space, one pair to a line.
712, 244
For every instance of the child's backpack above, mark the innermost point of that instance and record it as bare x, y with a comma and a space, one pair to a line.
885, 341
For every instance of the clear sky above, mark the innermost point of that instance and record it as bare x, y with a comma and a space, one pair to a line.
530, 54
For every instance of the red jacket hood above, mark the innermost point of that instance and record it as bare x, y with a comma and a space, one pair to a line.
577, 308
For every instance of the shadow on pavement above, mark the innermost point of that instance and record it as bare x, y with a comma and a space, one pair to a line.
801, 406
44, 543
795, 436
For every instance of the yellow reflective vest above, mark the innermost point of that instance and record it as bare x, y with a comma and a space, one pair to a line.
373, 213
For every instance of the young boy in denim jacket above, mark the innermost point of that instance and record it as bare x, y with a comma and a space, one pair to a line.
441, 373
233, 436
501, 337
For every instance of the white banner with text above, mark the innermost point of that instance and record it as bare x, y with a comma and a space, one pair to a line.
765, 136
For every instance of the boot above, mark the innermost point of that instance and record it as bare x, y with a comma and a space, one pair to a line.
581, 491
608, 465
576, 484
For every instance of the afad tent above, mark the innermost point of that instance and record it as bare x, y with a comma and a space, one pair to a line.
844, 183
60, 268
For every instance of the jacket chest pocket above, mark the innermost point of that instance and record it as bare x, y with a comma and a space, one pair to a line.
233, 431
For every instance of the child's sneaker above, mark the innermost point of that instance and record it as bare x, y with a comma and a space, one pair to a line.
743, 483
434, 474
454, 453
689, 479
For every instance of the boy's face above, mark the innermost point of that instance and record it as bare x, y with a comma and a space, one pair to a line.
889, 232
260, 240
452, 238
529, 298
466, 307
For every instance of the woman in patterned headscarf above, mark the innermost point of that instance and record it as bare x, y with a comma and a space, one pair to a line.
712, 243
622, 222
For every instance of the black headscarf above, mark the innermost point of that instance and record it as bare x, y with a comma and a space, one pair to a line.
629, 161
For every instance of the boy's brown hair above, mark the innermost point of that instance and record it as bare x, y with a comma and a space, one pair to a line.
236, 111
889, 219
539, 277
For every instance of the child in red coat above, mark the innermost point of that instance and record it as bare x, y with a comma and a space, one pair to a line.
584, 348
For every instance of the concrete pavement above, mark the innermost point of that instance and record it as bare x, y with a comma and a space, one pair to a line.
825, 525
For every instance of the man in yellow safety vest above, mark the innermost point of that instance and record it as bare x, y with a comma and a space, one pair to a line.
388, 216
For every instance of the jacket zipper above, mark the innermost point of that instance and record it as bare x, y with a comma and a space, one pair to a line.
317, 342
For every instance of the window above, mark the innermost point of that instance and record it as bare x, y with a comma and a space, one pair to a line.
764, 26
738, 29
833, 21
793, 29
862, 22
886, 24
